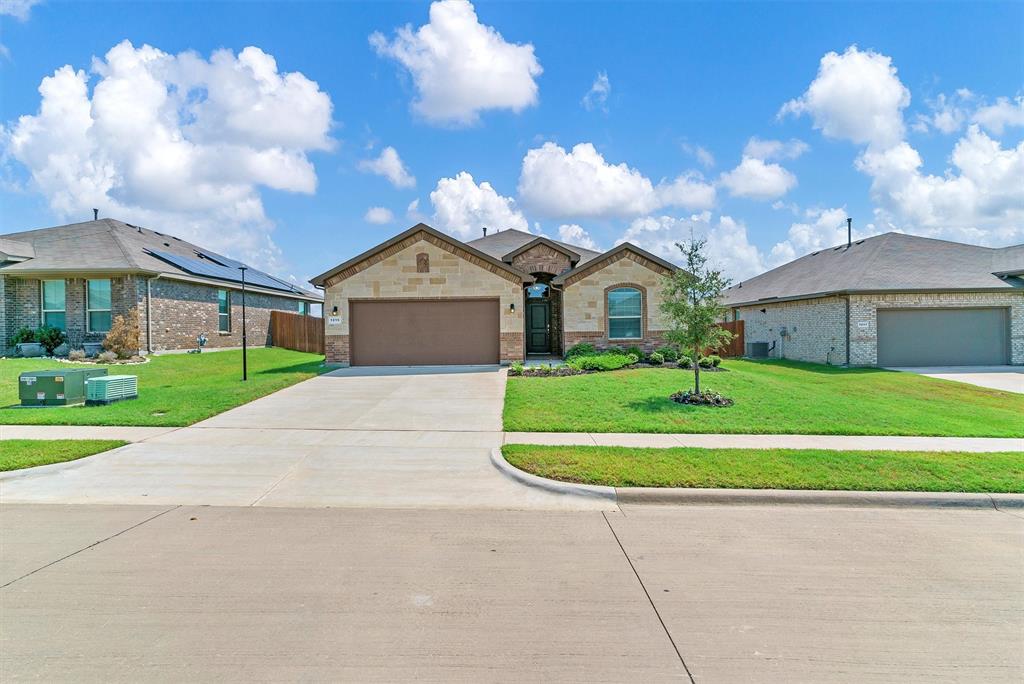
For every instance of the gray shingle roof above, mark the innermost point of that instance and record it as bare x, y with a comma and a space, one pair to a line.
108, 245
501, 243
893, 262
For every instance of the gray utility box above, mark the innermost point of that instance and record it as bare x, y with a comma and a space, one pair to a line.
64, 387
110, 388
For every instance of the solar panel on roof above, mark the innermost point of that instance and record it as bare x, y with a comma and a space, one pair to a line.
212, 269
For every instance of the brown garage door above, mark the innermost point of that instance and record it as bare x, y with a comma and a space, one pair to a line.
424, 332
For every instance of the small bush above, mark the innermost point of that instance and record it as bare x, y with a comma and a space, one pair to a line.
615, 349
50, 338
516, 368
685, 361
656, 359
76, 355
635, 351
633, 358
106, 357
24, 335
668, 353
581, 349
601, 362
715, 360
705, 362
123, 337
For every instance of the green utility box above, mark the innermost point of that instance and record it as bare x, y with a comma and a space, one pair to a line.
110, 388
63, 387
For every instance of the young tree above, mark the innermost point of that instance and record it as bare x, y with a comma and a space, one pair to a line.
689, 300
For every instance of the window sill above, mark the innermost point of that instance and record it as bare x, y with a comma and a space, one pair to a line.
223, 333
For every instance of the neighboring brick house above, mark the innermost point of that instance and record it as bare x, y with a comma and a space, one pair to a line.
424, 297
891, 300
79, 277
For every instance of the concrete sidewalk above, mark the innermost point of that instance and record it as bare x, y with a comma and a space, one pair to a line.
205, 433
720, 441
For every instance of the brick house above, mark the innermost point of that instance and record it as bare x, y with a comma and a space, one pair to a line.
424, 297
891, 300
78, 277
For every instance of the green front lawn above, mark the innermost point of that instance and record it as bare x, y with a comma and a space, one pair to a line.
174, 390
27, 453
773, 397
773, 468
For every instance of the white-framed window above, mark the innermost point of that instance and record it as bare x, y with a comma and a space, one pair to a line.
625, 313
97, 305
51, 294
224, 310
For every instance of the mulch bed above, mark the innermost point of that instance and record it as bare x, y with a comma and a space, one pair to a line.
703, 399
563, 371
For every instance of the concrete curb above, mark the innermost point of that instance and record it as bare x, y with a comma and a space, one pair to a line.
57, 467
554, 486
682, 496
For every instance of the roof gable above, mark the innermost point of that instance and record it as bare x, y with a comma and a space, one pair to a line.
557, 246
405, 239
500, 243
624, 250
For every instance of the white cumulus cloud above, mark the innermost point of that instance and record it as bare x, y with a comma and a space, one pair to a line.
176, 142
728, 246
1002, 113
597, 96
575, 234
774, 149
19, 9
822, 228
379, 216
461, 67
463, 208
757, 179
856, 96
580, 183
390, 166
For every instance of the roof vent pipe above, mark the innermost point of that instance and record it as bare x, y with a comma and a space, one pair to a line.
849, 233
485, 231
95, 214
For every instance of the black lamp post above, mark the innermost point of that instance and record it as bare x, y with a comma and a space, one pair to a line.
245, 369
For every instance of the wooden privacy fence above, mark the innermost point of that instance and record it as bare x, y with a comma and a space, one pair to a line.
294, 331
735, 347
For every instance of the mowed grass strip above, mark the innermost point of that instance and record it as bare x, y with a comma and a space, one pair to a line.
27, 453
174, 390
896, 471
772, 397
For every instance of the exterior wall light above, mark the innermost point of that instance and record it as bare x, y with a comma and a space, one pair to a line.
334, 310
512, 307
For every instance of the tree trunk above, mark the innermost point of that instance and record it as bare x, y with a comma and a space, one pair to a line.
696, 369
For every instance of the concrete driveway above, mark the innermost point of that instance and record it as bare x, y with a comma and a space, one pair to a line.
1006, 378
384, 437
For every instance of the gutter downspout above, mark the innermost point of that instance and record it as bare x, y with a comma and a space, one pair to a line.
149, 312
847, 299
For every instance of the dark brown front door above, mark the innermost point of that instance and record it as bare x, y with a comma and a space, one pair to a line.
538, 327
424, 332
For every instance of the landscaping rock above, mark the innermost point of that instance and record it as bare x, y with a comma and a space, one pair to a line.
705, 398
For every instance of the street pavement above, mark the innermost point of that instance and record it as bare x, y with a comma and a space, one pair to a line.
643, 593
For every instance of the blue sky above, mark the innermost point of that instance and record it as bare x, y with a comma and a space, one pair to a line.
914, 123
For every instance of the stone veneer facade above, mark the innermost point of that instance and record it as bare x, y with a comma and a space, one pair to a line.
453, 273
181, 310
814, 327
584, 301
541, 259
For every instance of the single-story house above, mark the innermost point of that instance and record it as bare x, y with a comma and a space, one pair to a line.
890, 300
80, 276
424, 297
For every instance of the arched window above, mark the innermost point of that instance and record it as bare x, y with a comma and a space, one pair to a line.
537, 291
625, 312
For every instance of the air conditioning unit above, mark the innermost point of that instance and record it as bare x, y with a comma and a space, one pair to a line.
757, 350
108, 389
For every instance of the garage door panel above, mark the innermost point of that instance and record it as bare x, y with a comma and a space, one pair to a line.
424, 332
943, 337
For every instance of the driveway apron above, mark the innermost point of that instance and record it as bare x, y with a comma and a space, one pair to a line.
364, 437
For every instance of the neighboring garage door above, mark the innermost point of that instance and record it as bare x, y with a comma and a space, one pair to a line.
943, 337
424, 332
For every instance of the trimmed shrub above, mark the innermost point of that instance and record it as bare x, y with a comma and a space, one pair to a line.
635, 351
668, 353
716, 360
601, 362
123, 337
76, 355
106, 357
685, 361
50, 338
24, 335
656, 359
581, 349
516, 368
